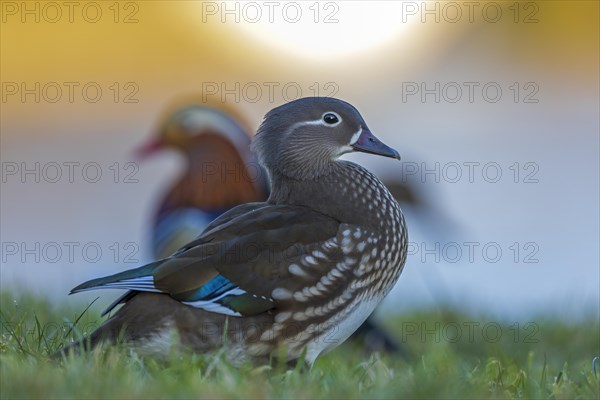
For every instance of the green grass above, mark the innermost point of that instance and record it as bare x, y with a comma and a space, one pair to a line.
545, 360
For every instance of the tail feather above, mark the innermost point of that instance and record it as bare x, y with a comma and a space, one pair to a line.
136, 279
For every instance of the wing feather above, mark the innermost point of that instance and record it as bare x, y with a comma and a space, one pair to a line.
247, 261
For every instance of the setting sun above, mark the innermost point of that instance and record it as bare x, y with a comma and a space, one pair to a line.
311, 29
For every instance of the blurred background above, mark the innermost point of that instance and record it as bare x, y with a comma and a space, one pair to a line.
494, 107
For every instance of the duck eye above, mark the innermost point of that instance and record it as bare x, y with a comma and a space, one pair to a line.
330, 118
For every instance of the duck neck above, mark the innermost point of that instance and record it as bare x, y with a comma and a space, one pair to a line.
329, 194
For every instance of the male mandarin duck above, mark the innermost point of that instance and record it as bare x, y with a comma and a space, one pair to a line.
302, 270
220, 172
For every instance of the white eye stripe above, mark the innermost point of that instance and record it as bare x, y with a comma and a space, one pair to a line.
315, 122
355, 137
319, 122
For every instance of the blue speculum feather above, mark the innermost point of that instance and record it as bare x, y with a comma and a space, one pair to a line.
214, 288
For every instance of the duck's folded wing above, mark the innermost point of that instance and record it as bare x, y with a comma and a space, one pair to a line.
253, 260
141, 279
248, 261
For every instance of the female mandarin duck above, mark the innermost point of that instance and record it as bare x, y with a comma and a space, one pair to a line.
222, 173
304, 269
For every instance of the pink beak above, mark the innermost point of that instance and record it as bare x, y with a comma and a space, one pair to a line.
148, 149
